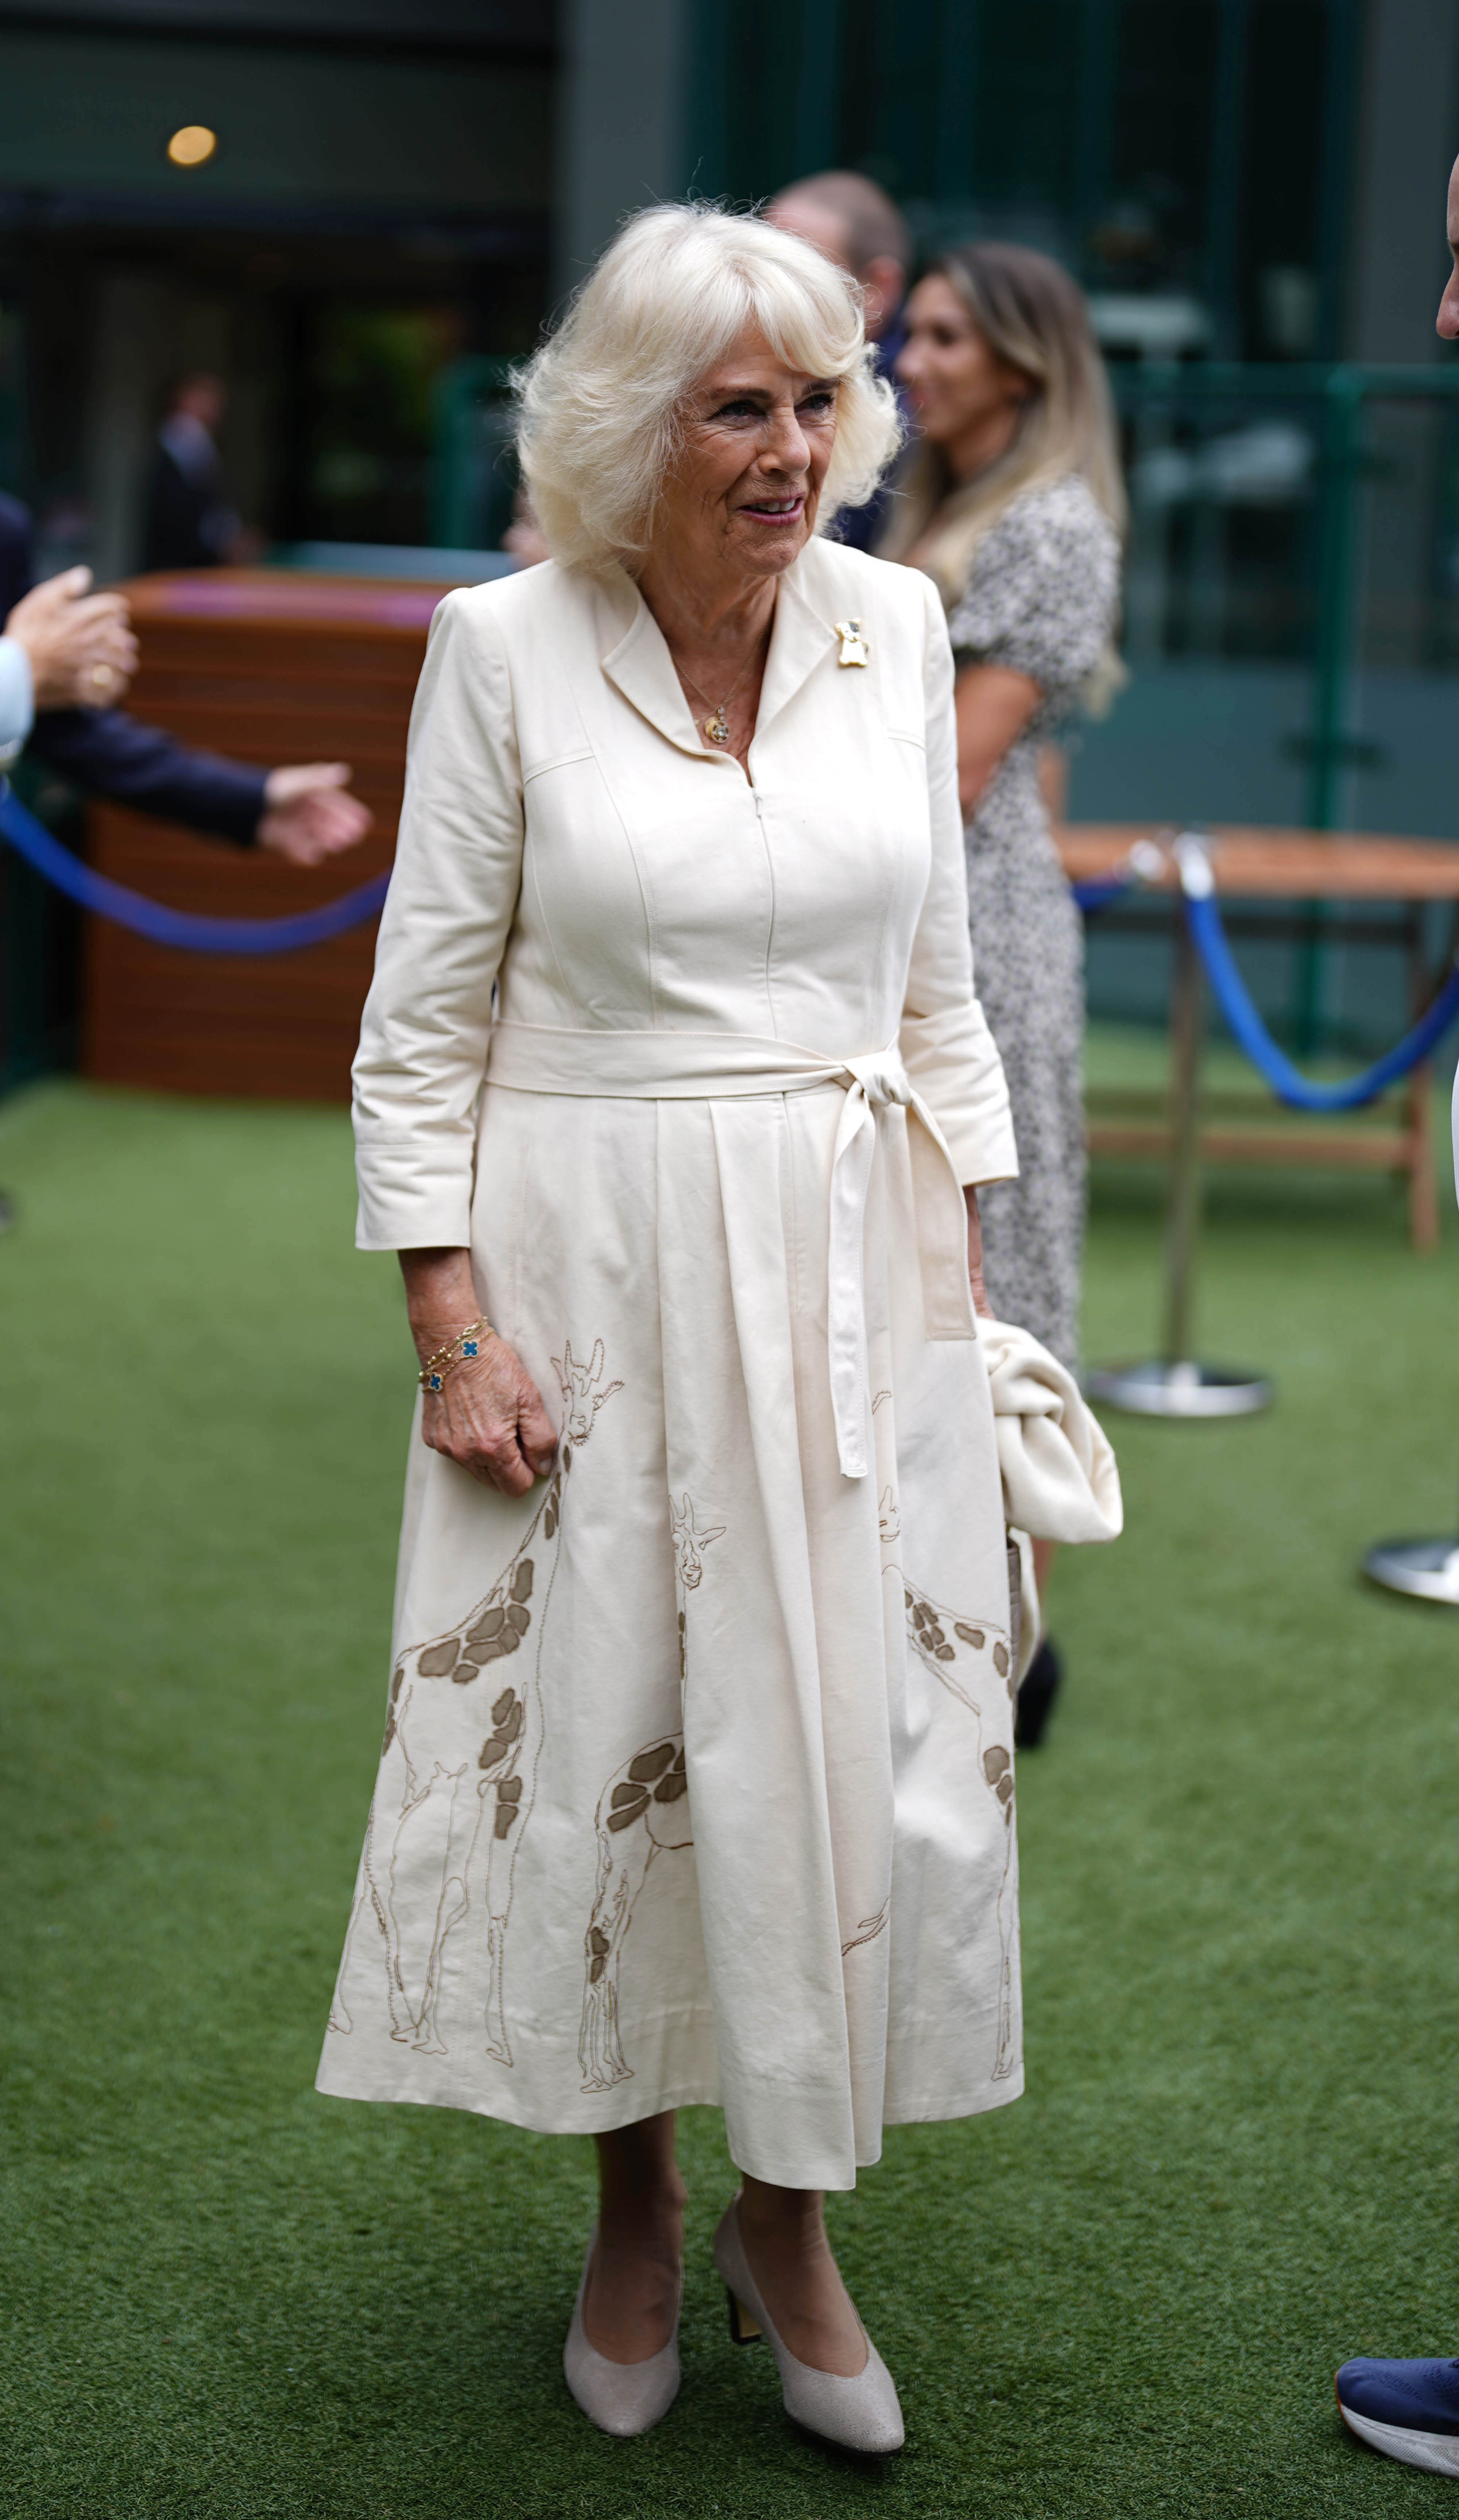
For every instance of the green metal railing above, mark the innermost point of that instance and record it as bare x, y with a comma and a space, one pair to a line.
1339, 397
1324, 597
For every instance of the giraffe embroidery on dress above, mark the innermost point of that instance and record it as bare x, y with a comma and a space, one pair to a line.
341, 2017
462, 1762
689, 1542
959, 1653
869, 1928
643, 1812
450, 1845
582, 1397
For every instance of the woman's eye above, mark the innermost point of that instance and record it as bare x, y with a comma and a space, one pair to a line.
822, 401
744, 410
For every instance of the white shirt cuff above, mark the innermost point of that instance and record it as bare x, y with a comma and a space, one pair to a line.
17, 699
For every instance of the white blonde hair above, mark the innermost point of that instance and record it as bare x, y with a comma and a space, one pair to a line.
601, 403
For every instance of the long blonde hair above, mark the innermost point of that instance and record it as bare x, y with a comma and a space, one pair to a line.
1033, 317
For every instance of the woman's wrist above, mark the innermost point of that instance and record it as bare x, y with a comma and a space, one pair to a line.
980, 1304
440, 1298
431, 1336
460, 1349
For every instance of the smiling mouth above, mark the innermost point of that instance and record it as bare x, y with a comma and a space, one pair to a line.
776, 511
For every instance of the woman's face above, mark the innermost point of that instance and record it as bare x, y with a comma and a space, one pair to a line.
758, 438
957, 387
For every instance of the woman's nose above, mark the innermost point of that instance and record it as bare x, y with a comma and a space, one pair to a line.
788, 449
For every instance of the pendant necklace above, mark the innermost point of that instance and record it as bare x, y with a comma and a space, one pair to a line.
716, 725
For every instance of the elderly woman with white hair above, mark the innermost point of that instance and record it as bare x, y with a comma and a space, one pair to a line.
673, 1096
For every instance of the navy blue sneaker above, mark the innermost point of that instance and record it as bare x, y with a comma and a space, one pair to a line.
1408, 2409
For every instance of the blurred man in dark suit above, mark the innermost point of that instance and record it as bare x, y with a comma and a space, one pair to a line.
851, 221
301, 811
190, 523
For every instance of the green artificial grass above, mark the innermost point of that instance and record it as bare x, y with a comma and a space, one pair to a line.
1124, 2295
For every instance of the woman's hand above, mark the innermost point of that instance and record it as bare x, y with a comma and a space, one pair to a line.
980, 1304
487, 1415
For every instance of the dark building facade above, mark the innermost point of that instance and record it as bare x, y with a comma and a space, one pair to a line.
395, 188
1275, 161
378, 205
402, 190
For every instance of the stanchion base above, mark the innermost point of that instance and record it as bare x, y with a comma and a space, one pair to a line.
1160, 1390
1429, 1570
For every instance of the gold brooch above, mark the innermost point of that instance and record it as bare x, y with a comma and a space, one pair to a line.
853, 648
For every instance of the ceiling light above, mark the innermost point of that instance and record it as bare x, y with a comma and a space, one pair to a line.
193, 145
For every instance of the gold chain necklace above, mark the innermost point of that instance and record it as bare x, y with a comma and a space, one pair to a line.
716, 725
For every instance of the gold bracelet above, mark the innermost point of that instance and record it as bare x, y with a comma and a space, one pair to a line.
466, 1342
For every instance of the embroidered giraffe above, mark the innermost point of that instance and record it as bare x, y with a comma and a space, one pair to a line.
869, 1928
459, 1767
690, 1543
960, 1652
449, 1851
582, 1397
642, 1813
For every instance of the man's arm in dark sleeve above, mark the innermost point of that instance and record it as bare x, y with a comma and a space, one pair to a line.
114, 755
111, 755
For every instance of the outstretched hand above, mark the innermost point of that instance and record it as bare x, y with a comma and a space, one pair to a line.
307, 815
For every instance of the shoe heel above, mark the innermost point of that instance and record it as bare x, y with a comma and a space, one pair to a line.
743, 2328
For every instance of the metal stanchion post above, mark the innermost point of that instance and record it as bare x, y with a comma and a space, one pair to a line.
1187, 1189
1428, 1570
1174, 1385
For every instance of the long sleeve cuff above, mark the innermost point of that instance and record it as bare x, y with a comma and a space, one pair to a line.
415, 1193
951, 1060
17, 699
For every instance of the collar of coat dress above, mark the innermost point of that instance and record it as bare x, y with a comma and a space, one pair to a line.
640, 666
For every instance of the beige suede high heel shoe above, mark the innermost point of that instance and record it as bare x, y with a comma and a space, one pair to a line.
623, 2399
862, 2413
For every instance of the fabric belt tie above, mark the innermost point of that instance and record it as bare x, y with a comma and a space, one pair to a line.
718, 1066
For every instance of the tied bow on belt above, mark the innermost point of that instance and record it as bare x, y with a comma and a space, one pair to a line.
716, 1066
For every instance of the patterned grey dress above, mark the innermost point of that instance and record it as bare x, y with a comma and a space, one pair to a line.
1042, 598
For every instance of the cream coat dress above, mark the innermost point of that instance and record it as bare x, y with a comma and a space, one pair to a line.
697, 1780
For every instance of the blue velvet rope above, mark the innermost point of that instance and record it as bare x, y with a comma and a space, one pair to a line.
1287, 1082
190, 933
1236, 1004
188, 930
1091, 897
